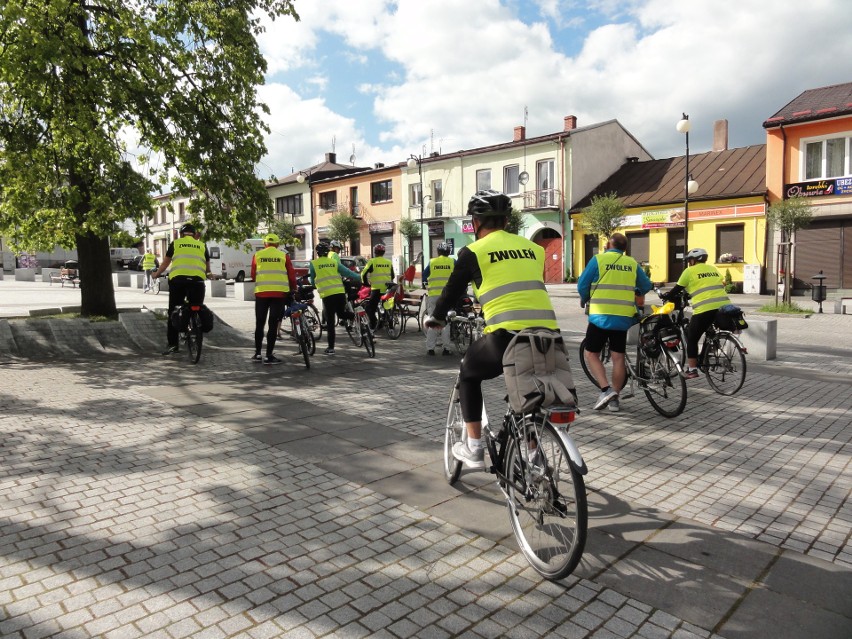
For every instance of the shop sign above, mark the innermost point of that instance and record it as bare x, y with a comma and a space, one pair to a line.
662, 219
467, 226
322, 230
381, 227
436, 227
843, 186
810, 189
300, 231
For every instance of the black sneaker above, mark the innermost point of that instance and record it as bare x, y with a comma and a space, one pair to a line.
271, 359
256, 358
430, 352
329, 351
171, 350
446, 351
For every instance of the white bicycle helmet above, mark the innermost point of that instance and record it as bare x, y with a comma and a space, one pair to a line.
697, 254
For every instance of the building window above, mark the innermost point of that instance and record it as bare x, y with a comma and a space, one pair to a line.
639, 246
827, 158
730, 242
182, 209
381, 191
511, 184
483, 179
438, 198
328, 200
415, 194
288, 205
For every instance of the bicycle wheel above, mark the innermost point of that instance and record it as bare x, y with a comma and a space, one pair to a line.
353, 329
367, 338
725, 364
155, 285
547, 503
194, 338
312, 343
302, 338
312, 322
454, 433
393, 322
464, 337
662, 384
605, 357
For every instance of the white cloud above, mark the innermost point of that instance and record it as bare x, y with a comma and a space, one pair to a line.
469, 68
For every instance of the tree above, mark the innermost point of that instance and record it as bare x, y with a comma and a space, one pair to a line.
788, 216
81, 83
516, 222
343, 227
286, 231
603, 216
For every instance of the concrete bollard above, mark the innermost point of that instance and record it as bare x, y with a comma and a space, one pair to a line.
121, 279
760, 338
244, 291
164, 284
137, 280
25, 275
216, 288
46, 276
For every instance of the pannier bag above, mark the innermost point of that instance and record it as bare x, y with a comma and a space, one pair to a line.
536, 370
653, 331
206, 319
730, 318
180, 318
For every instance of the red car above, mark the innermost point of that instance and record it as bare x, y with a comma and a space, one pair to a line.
302, 267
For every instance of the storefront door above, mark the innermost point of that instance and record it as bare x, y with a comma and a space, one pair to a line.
551, 242
675, 240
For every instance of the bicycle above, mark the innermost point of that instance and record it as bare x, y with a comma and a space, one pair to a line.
310, 316
299, 331
153, 283
388, 313
466, 326
722, 355
540, 472
191, 329
658, 371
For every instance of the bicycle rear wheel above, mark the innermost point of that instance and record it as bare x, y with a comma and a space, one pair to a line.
194, 338
312, 322
662, 384
725, 365
367, 338
547, 503
302, 337
353, 329
393, 322
454, 433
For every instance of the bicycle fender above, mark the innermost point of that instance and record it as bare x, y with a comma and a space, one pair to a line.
574, 456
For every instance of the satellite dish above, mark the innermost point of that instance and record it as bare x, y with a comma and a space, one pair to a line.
352, 159
524, 177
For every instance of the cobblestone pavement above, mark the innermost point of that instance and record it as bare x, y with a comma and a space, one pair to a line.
146, 498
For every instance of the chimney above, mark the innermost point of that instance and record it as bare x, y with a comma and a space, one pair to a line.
720, 135
570, 122
520, 134
331, 158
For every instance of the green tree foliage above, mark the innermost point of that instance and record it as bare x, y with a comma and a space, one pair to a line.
84, 83
788, 216
409, 228
516, 222
124, 239
286, 231
603, 216
343, 227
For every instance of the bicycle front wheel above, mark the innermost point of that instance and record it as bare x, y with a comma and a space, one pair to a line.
454, 433
662, 384
605, 357
312, 322
393, 326
155, 286
367, 339
353, 329
464, 337
194, 338
547, 502
725, 365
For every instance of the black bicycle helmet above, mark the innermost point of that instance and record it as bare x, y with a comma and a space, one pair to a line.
336, 245
697, 254
379, 249
443, 249
322, 250
187, 228
489, 203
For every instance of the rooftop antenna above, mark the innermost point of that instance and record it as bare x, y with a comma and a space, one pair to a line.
333, 142
352, 157
524, 177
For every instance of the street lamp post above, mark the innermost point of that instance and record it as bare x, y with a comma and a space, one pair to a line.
305, 176
417, 160
689, 186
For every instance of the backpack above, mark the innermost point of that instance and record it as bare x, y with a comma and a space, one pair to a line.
536, 370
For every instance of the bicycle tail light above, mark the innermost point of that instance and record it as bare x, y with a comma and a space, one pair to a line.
562, 415
195, 308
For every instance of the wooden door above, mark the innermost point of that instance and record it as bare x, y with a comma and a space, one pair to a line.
554, 273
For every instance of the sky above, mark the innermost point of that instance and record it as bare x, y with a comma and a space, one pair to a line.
381, 79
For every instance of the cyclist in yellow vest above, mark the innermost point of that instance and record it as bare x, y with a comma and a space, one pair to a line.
377, 273
334, 250
149, 264
612, 284
274, 280
327, 275
190, 266
435, 278
507, 272
706, 290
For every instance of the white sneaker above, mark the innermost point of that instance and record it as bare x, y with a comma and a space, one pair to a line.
470, 459
605, 398
614, 406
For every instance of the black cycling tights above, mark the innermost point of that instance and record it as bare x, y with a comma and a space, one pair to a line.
483, 360
698, 325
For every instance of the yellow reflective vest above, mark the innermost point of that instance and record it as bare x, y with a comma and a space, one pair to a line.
440, 269
614, 292
149, 260
271, 271
512, 292
326, 277
705, 287
188, 258
381, 274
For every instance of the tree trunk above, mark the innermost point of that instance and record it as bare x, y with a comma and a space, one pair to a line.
96, 292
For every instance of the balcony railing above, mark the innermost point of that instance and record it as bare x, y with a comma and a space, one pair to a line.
542, 199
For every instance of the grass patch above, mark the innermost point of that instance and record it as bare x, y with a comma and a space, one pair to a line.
93, 318
791, 309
